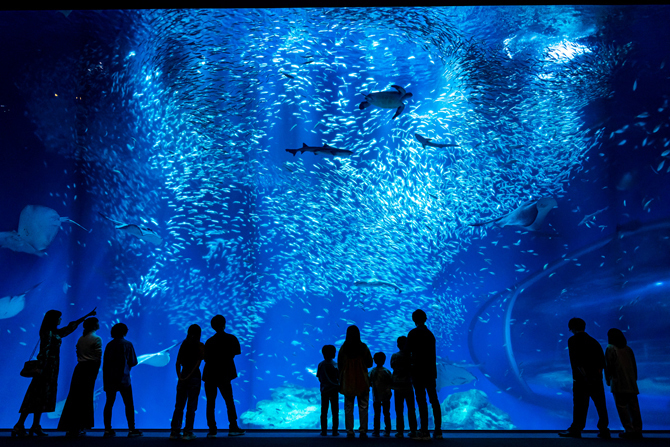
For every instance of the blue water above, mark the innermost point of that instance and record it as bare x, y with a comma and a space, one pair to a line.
179, 121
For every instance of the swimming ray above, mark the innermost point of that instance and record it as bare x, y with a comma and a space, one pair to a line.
158, 359
38, 226
12, 305
530, 215
143, 233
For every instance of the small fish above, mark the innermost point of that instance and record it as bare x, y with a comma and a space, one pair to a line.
428, 142
377, 283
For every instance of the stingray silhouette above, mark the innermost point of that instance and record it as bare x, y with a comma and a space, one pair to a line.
530, 215
38, 226
144, 233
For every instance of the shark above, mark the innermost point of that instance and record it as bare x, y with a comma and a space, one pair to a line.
323, 150
428, 142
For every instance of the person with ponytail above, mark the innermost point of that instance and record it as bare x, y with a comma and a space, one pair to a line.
191, 354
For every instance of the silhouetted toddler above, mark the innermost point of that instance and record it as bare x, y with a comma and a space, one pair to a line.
329, 377
381, 381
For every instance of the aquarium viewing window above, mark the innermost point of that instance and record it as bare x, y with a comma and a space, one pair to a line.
302, 170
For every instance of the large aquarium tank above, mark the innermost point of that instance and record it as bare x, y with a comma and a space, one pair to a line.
301, 170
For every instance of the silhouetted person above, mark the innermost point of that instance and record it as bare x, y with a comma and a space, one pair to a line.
118, 359
587, 361
77, 415
421, 346
354, 360
191, 354
621, 376
401, 363
220, 351
381, 380
41, 395
329, 379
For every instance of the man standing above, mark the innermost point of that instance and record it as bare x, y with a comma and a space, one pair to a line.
421, 346
587, 361
219, 370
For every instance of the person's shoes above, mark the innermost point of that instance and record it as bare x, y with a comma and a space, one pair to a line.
413, 435
189, 437
237, 431
570, 434
437, 435
399, 435
72, 434
375, 434
363, 435
604, 435
175, 435
424, 436
387, 434
324, 433
109, 433
336, 433
82, 432
19, 431
211, 434
351, 435
134, 433
37, 431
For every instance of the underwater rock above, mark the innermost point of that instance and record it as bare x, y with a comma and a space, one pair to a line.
471, 410
291, 406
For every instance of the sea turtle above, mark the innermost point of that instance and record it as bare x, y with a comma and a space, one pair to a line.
387, 100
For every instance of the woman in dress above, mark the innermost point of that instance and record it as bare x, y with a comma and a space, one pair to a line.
354, 359
41, 395
621, 376
77, 413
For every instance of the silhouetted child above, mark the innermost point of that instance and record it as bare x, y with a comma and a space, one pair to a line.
329, 377
381, 381
401, 363
118, 359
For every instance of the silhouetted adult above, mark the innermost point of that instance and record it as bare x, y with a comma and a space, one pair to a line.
354, 359
421, 347
587, 361
621, 376
219, 371
191, 354
77, 415
41, 395
401, 363
119, 359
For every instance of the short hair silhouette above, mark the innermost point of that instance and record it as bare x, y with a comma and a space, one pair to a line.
328, 352
379, 358
576, 324
419, 316
91, 324
402, 340
119, 330
615, 337
218, 322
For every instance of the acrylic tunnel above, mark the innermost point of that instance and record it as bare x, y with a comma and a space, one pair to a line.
519, 337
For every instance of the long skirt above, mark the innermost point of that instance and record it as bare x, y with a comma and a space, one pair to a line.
78, 410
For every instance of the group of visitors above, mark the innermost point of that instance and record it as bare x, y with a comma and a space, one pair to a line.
414, 370
413, 378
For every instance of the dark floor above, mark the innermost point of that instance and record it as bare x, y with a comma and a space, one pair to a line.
300, 438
